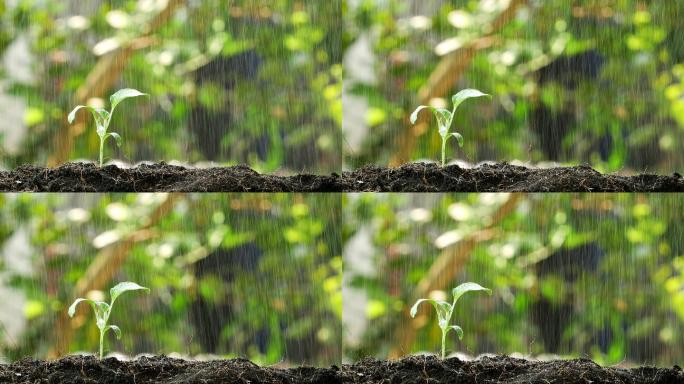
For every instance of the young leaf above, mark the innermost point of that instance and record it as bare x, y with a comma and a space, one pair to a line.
443, 120
119, 141
96, 112
414, 114
458, 330
466, 94
458, 137
72, 114
72, 308
442, 115
468, 287
441, 307
124, 94
102, 307
100, 115
102, 118
126, 286
117, 330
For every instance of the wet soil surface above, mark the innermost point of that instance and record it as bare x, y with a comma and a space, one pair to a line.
410, 370
413, 177
158, 177
501, 369
502, 177
158, 369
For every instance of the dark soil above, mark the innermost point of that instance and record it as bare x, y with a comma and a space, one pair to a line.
158, 369
159, 177
501, 369
414, 177
415, 369
502, 177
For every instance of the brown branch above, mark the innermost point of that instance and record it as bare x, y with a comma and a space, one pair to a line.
450, 262
102, 77
443, 272
104, 267
443, 79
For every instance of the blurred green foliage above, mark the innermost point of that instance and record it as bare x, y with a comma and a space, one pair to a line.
294, 292
630, 116
633, 294
294, 103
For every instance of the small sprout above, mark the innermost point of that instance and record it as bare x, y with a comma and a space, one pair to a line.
103, 117
445, 310
445, 117
103, 310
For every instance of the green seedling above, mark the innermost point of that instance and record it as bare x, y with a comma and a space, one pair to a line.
445, 310
445, 117
103, 310
103, 117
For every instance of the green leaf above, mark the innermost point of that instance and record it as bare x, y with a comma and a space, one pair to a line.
119, 140
101, 314
466, 94
101, 121
72, 309
102, 307
468, 287
459, 138
126, 286
100, 115
116, 330
72, 114
443, 120
124, 94
458, 330
414, 309
414, 115
441, 307
442, 115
